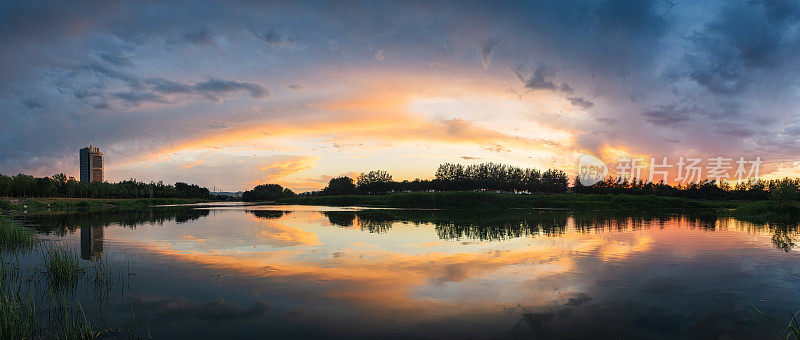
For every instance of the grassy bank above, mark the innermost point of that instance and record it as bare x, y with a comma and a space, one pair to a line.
767, 211
480, 200
68, 205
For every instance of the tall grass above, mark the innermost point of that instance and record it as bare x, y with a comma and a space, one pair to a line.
43, 303
14, 236
17, 315
62, 266
17, 309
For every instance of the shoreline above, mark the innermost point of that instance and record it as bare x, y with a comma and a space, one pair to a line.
14, 206
491, 200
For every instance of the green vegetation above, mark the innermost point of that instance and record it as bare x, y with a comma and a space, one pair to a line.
483, 199
17, 317
63, 266
266, 192
17, 313
62, 186
782, 207
492, 185
766, 211
28, 310
790, 330
13, 236
784, 192
455, 177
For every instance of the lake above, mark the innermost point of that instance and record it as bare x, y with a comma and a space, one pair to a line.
245, 271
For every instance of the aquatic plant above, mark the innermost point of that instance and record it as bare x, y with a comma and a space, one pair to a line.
17, 309
790, 330
17, 315
14, 236
62, 266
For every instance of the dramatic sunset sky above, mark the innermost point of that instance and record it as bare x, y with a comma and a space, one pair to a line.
231, 95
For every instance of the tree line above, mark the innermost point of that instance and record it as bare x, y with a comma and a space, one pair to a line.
507, 178
454, 177
753, 190
62, 186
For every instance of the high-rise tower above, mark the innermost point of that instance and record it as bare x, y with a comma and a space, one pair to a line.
91, 164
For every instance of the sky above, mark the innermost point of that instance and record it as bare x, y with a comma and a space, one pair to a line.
230, 95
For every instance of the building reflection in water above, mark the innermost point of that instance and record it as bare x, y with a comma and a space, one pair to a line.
91, 243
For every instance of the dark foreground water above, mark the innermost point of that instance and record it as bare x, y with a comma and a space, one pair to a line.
297, 271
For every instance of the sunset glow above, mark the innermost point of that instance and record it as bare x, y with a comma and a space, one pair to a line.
297, 94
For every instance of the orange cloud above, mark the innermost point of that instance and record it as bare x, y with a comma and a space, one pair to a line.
188, 165
276, 170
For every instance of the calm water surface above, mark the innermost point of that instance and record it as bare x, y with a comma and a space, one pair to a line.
280, 271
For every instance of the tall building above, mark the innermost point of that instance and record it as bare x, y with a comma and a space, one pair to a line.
91, 164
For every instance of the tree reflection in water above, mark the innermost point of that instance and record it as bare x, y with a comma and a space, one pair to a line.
497, 225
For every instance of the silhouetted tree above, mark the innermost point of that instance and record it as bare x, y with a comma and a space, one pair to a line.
266, 192
340, 186
376, 181
784, 192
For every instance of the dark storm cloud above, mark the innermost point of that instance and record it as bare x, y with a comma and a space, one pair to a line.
581, 102
666, 115
67, 64
136, 98
541, 79
212, 88
744, 45
735, 131
273, 38
156, 90
169, 87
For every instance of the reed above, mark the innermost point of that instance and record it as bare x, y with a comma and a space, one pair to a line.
14, 236
62, 266
17, 315
17, 309
790, 330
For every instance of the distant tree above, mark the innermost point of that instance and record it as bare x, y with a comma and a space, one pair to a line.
340, 186
374, 176
554, 181
376, 181
266, 192
60, 185
784, 192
